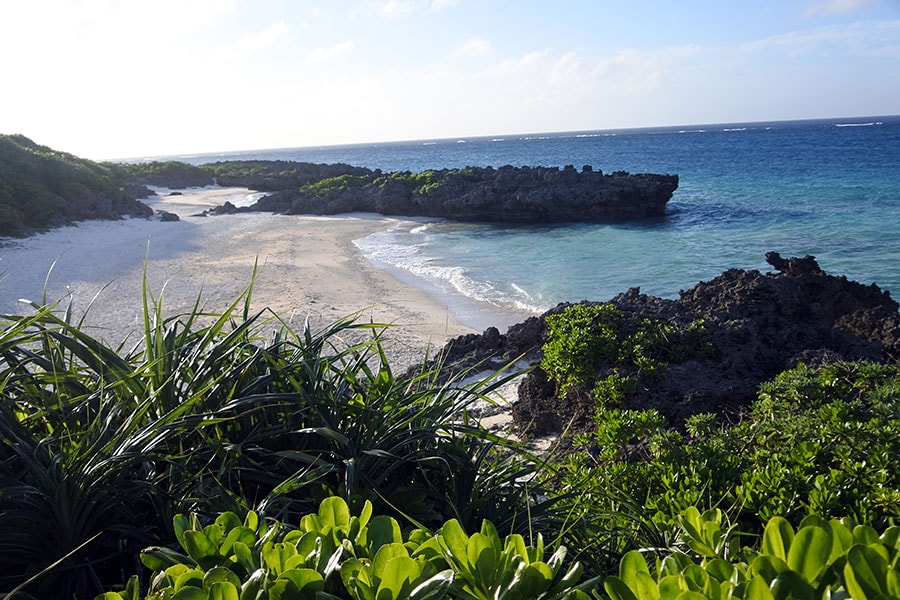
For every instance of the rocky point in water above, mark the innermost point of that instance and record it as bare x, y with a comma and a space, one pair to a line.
756, 326
507, 194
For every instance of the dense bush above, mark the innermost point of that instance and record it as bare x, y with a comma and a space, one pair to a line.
816, 441
341, 182
99, 447
597, 350
168, 173
41, 187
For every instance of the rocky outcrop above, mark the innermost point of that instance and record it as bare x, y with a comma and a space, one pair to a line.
507, 194
758, 325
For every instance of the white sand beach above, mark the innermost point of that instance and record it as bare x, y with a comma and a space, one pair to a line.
308, 268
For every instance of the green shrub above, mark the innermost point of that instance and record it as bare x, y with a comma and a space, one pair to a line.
820, 559
341, 182
41, 187
334, 554
585, 341
815, 442
579, 340
424, 183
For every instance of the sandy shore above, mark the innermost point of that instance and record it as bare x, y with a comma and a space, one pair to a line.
309, 268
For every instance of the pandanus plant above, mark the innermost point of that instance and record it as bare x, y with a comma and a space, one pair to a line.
101, 445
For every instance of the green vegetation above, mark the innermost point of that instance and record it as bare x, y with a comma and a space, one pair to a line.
334, 554
815, 442
99, 447
584, 338
232, 456
822, 558
425, 182
41, 187
280, 175
168, 173
341, 182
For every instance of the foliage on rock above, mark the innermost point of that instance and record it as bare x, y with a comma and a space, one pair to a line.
597, 351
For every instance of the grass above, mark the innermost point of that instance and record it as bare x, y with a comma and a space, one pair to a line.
101, 446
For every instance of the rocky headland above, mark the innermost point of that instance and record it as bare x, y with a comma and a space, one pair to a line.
507, 194
42, 188
754, 326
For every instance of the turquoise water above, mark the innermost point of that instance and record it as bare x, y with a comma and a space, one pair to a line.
826, 188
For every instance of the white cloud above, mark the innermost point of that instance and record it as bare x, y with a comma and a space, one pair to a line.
261, 40
474, 47
319, 54
624, 70
625, 74
528, 63
872, 38
834, 7
402, 8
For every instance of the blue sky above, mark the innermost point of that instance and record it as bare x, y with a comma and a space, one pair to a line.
129, 78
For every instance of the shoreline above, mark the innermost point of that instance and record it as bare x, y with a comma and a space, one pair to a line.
309, 268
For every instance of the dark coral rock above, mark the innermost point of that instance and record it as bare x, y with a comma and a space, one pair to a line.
758, 325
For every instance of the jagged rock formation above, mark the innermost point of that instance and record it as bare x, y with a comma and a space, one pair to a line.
758, 325
507, 194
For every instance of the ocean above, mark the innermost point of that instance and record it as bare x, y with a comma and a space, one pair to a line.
829, 188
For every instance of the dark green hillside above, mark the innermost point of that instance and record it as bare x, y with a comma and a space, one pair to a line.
41, 187
262, 175
170, 173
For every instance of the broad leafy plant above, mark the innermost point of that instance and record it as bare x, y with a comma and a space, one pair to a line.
488, 567
822, 558
336, 555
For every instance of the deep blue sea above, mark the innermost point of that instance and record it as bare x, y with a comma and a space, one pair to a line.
830, 188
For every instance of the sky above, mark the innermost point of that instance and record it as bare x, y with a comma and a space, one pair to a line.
109, 79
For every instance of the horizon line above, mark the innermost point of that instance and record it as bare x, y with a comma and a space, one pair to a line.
480, 137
